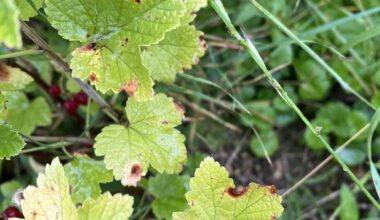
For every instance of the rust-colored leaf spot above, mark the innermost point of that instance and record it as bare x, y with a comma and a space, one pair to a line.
88, 48
131, 87
4, 72
180, 108
132, 174
125, 42
93, 78
138, 1
272, 189
236, 192
184, 69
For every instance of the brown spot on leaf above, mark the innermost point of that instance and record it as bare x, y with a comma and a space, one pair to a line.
4, 72
93, 78
132, 174
184, 69
125, 42
272, 189
138, 1
164, 122
88, 48
236, 192
131, 87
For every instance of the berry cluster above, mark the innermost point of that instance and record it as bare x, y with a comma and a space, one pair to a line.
71, 104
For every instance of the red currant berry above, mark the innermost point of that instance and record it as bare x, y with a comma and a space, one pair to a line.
88, 145
71, 106
11, 212
81, 98
55, 90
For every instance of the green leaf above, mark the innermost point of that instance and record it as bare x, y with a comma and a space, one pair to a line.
115, 63
374, 172
25, 116
149, 139
9, 24
13, 78
84, 176
26, 9
214, 196
115, 32
3, 110
342, 121
315, 81
169, 192
50, 199
107, 207
270, 141
10, 142
349, 208
177, 52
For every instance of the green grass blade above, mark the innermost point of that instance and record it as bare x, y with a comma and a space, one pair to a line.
311, 52
371, 33
251, 49
372, 128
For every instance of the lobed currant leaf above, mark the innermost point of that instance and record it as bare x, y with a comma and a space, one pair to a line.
9, 25
10, 142
26, 9
115, 30
84, 176
13, 78
169, 192
149, 139
24, 115
213, 195
50, 199
114, 34
107, 207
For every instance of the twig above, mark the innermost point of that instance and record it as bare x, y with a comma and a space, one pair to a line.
63, 139
211, 115
41, 43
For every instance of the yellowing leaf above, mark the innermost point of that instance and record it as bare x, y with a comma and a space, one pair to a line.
9, 24
180, 49
114, 33
51, 198
118, 29
107, 207
84, 176
10, 142
25, 116
13, 78
213, 195
149, 139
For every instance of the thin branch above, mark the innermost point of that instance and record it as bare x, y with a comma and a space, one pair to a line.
41, 43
